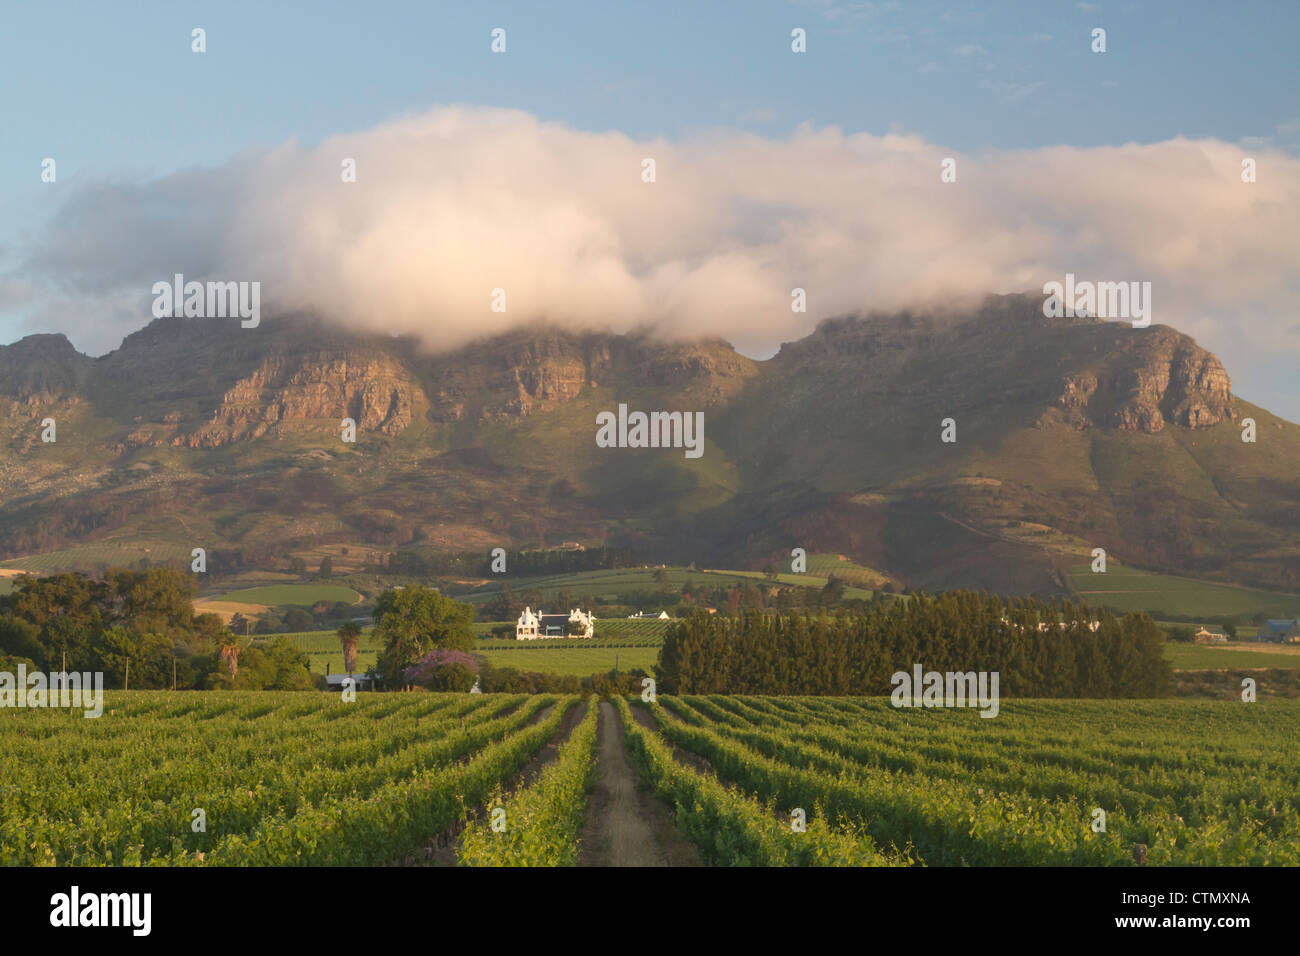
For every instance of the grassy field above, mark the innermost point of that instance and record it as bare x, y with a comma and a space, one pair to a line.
1186, 657
576, 656
800, 580
284, 595
606, 585
575, 661
1128, 589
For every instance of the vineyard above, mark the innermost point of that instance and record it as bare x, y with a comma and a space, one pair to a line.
1191, 783
279, 778
271, 779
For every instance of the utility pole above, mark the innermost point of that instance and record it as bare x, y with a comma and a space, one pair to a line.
173, 670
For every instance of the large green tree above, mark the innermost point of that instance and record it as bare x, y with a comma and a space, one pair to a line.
414, 622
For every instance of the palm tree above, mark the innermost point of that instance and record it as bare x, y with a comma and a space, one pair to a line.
349, 632
229, 654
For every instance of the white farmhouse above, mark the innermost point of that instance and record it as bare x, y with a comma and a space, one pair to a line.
531, 626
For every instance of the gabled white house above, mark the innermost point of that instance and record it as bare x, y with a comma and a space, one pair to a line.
531, 626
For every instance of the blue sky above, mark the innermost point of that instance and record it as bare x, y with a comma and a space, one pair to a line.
114, 94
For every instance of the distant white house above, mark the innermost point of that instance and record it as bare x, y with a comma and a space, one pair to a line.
648, 616
1044, 626
532, 626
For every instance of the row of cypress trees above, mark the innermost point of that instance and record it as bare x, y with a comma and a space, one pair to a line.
857, 652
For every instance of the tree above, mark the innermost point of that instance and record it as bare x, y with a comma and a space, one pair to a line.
229, 654
297, 619
349, 633
68, 638
503, 607
326, 567
833, 592
18, 638
443, 669
290, 667
119, 648
417, 620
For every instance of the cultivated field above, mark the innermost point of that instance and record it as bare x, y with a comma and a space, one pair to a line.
282, 778
606, 585
1222, 656
286, 595
304, 778
1128, 589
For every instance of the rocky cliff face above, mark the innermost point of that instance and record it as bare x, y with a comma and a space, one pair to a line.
1158, 378
372, 389
526, 373
195, 386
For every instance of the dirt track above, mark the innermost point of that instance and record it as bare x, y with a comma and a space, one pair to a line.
625, 826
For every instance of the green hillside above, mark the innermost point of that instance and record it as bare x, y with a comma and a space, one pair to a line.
1129, 589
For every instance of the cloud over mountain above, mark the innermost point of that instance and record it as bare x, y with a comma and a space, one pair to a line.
453, 203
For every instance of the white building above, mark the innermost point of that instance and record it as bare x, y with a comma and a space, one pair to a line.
531, 626
648, 616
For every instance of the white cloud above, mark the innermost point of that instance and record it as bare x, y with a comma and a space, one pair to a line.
458, 201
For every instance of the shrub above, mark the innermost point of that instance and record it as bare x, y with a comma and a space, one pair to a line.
443, 669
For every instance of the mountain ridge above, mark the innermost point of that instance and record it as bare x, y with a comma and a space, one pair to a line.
1093, 430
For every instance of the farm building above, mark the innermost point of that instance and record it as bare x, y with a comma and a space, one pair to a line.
1211, 635
1280, 632
648, 616
531, 626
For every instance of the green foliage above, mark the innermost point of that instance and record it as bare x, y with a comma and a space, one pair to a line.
732, 829
542, 821
319, 781
1039, 650
1200, 783
141, 619
414, 621
453, 677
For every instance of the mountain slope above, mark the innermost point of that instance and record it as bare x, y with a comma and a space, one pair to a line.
1070, 434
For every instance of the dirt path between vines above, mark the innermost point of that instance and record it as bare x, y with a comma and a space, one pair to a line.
625, 825
441, 848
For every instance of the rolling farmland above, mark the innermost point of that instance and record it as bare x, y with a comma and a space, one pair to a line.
1191, 782
1128, 589
306, 779
282, 778
283, 595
